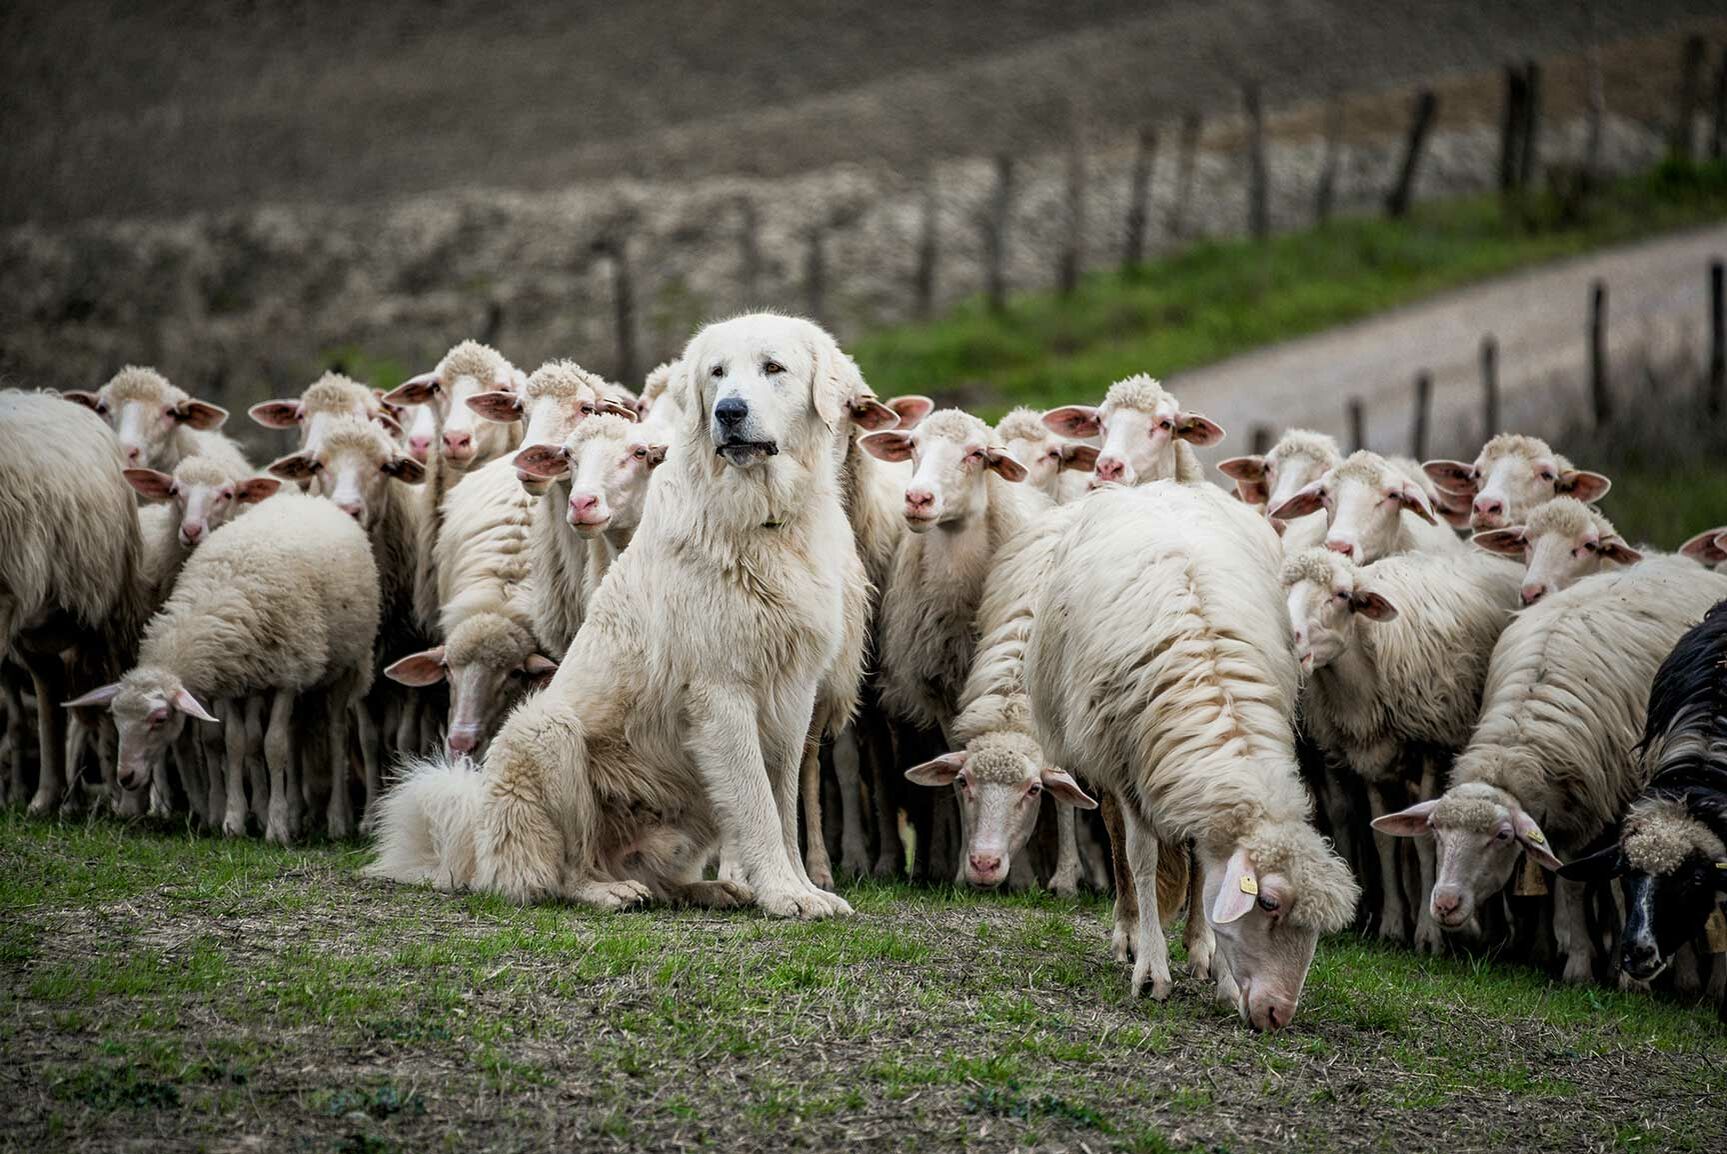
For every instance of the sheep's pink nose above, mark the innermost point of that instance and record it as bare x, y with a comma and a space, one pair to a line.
919, 499
1346, 548
419, 446
352, 508
1446, 902
133, 453
192, 530
1533, 593
985, 865
1110, 468
458, 444
462, 740
1489, 507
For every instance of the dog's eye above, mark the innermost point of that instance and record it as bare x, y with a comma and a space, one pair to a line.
773, 368
717, 371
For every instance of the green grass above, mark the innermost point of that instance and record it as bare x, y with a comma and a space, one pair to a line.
199, 989
1220, 298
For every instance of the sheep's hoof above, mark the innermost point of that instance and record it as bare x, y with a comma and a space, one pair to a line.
367, 823
44, 805
886, 867
341, 826
822, 877
1578, 971
1429, 939
1158, 988
234, 825
1199, 964
1632, 985
1391, 932
1121, 941
1064, 886
854, 861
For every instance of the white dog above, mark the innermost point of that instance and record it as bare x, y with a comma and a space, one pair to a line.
676, 722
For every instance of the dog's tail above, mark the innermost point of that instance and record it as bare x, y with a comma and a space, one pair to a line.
426, 825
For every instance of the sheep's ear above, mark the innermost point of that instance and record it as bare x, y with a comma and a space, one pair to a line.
1073, 421
1081, 458
1305, 501
1066, 790
418, 669
941, 771
1004, 464
1505, 542
1198, 429
619, 409
1415, 501
546, 461
539, 667
1583, 485
388, 423
201, 415
500, 406
416, 390
405, 469
1709, 546
96, 697
255, 489
294, 467
278, 414
888, 445
1452, 476
1598, 866
1372, 606
1533, 841
1416, 821
1454, 508
871, 415
1616, 550
81, 397
151, 484
657, 454
912, 409
1278, 526
1238, 892
1248, 473
190, 706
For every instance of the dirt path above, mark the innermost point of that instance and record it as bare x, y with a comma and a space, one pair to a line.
1657, 300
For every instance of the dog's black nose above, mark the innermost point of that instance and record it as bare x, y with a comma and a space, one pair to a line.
731, 411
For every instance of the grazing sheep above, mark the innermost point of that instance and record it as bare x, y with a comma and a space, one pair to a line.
1159, 660
157, 424
71, 566
1058, 468
1396, 655
331, 396
1512, 475
678, 721
1562, 541
468, 370
282, 601
1267, 480
1708, 547
1365, 499
1145, 433
1550, 766
1671, 850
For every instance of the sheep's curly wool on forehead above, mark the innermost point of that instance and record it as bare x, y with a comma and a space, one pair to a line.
1519, 445
1566, 516
565, 379
490, 640
607, 425
336, 393
1004, 758
1022, 424
659, 378
136, 383
473, 359
1318, 565
202, 471
144, 687
1140, 391
1369, 468
1472, 806
954, 425
1323, 891
1659, 835
350, 432
1307, 444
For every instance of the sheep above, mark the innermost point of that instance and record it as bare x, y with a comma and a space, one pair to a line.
1708, 547
1365, 499
157, 424
71, 566
1670, 852
284, 601
1158, 659
490, 659
468, 370
1396, 655
559, 395
1549, 767
1510, 476
331, 396
1057, 467
1146, 435
199, 496
1267, 480
1561, 541
679, 719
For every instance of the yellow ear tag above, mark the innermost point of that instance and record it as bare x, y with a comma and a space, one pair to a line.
1534, 835
1715, 931
1721, 865
1249, 884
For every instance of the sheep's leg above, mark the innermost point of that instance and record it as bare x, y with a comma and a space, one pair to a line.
1571, 930
186, 757
17, 779
257, 772
878, 763
1391, 913
1200, 942
854, 846
368, 738
1429, 939
233, 714
1065, 879
1151, 949
48, 674
408, 725
817, 864
1126, 929
340, 815
1093, 857
279, 756
945, 864
212, 744
78, 741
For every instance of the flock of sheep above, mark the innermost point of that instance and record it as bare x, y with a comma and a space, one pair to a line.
630, 642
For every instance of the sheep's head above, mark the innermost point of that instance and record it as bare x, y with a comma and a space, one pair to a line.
150, 708
609, 462
1139, 424
1297, 460
952, 455
490, 661
1562, 542
444, 396
145, 412
1327, 594
1511, 476
326, 399
556, 399
1000, 779
1364, 499
354, 468
205, 494
1043, 451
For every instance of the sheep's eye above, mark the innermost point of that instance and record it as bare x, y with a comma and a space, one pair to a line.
773, 368
1166, 423
639, 453
717, 371
1054, 454
974, 455
1341, 595
102, 407
1269, 904
1502, 835
1034, 789
1591, 546
1546, 475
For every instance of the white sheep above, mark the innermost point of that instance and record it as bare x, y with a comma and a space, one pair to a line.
1560, 541
1160, 661
331, 396
1550, 765
196, 499
71, 566
1396, 655
1512, 475
1058, 468
158, 424
1145, 433
468, 370
1267, 480
1374, 507
551, 402
282, 601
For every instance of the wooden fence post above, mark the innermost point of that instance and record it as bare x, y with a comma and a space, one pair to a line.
1489, 388
1187, 155
1510, 129
1326, 194
1258, 212
1717, 336
816, 272
1599, 391
1426, 105
1138, 199
923, 281
1357, 425
995, 235
1690, 75
1423, 404
1262, 440
1529, 150
1072, 247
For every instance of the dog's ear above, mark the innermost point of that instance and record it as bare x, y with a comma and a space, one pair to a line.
837, 380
